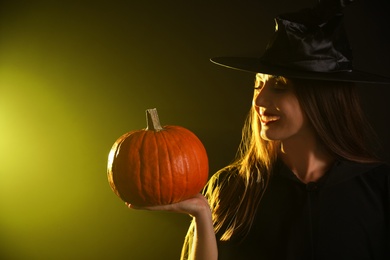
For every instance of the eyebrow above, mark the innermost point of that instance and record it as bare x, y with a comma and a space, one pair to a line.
280, 79
263, 77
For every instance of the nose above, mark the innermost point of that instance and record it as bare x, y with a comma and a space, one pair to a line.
261, 97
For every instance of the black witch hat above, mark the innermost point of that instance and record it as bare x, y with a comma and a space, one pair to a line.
309, 44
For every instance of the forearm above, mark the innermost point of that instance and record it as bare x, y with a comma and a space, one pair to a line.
204, 243
200, 243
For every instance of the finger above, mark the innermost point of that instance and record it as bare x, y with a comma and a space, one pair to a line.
130, 206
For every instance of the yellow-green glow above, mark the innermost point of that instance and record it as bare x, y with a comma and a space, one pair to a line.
42, 154
69, 87
76, 75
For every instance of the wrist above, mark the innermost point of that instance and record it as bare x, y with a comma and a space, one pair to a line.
202, 211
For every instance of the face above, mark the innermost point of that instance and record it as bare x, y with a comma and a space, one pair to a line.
278, 109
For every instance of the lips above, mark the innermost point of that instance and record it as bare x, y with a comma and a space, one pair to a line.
266, 119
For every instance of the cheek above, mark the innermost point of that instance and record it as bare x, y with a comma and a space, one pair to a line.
254, 99
257, 109
292, 110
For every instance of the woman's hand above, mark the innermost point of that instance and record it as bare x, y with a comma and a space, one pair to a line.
192, 206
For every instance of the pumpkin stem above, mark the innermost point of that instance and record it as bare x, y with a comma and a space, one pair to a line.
152, 120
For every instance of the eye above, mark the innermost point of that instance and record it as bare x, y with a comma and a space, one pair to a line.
279, 84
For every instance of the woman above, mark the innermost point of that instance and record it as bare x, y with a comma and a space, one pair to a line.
306, 183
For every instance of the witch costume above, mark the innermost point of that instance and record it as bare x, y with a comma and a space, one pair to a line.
345, 215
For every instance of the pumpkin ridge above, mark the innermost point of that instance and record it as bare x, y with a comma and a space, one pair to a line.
195, 156
202, 157
115, 168
130, 183
186, 138
160, 149
199, 147
143, 167
159, 171
191, 153
148, 167
167, 140
186, 154
198, 150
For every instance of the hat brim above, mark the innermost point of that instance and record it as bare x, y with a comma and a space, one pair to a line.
255, 65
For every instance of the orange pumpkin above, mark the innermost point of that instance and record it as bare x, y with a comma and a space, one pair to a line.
157, 165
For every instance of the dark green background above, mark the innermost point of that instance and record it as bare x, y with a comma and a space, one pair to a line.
75, 75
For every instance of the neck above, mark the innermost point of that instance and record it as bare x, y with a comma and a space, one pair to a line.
308, 160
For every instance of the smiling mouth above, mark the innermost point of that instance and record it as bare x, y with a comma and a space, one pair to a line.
268, 119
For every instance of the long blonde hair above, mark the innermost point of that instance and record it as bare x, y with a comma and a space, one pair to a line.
246, 175
235, 191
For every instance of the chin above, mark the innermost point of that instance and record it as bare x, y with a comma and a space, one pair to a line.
268, 137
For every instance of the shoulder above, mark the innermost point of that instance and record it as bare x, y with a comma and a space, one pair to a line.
225, 182
379, 168
380, 173
383, 168
372, 172
224, 177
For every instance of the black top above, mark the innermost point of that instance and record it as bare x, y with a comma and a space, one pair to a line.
345, 215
